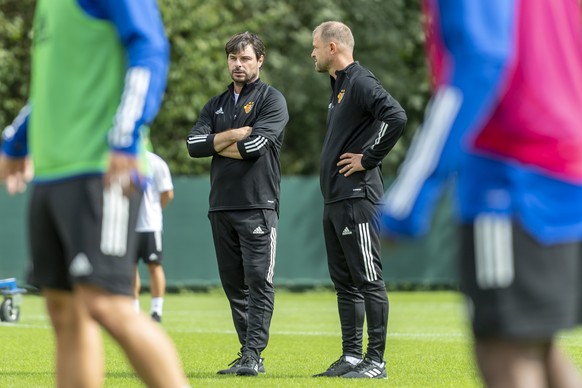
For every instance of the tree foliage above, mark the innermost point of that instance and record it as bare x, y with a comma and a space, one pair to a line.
15, 26
389, 41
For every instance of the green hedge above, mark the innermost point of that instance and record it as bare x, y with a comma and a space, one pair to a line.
388, 36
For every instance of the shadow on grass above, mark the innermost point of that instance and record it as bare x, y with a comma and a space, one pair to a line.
4, 373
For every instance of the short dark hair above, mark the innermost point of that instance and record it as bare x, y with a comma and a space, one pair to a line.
238, 42
335, 31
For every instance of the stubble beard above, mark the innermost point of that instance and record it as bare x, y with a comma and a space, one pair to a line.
243, 80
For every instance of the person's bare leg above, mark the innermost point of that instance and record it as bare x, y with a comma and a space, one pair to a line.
506, 364
149, 349
562, 373
79, 350
157, 280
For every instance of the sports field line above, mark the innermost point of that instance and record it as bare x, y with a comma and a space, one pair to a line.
273, 332
573, 340
326, 333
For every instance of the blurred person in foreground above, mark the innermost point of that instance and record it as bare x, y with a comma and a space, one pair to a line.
505, 121
98, 73
157, 195
364, 122
242, 129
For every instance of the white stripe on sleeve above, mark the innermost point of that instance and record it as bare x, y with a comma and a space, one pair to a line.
255, 144
197, 139
137, 82
381, 133
424, 154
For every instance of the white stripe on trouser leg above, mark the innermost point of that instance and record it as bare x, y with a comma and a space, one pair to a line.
493, 251
365, 242
271, 270
114, 225
158, 239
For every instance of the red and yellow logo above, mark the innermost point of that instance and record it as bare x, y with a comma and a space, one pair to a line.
340, 95
248, 106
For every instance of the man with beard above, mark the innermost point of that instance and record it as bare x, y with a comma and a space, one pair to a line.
242, 129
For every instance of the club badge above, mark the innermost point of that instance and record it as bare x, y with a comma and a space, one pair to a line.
340, 96
248, 107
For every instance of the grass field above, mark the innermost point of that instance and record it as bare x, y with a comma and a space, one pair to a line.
428, 343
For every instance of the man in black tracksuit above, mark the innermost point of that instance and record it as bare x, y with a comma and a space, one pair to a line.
242, 129
363, 124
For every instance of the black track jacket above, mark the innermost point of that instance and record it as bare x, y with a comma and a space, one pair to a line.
253, 182
362, 119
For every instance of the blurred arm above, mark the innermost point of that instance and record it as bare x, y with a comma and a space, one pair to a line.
477, 39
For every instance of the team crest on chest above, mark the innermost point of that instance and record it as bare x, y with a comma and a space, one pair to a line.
249, 106
340, 95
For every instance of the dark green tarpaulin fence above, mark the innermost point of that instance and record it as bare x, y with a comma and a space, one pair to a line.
189, 258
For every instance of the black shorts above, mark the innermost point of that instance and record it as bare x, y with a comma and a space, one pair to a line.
149, 247
80, 233
517, 288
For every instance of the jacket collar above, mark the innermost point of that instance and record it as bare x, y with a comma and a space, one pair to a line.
340, 74
247, 88
348, 68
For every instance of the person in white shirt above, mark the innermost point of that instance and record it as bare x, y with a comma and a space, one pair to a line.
158, 194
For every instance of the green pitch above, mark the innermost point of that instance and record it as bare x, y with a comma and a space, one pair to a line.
428, 343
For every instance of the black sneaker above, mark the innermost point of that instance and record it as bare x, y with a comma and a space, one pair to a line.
249, 366
156, 317
338, 368
367, 369
235, 366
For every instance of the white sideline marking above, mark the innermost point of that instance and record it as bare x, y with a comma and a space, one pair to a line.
25, 326
574, 339
273, 332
